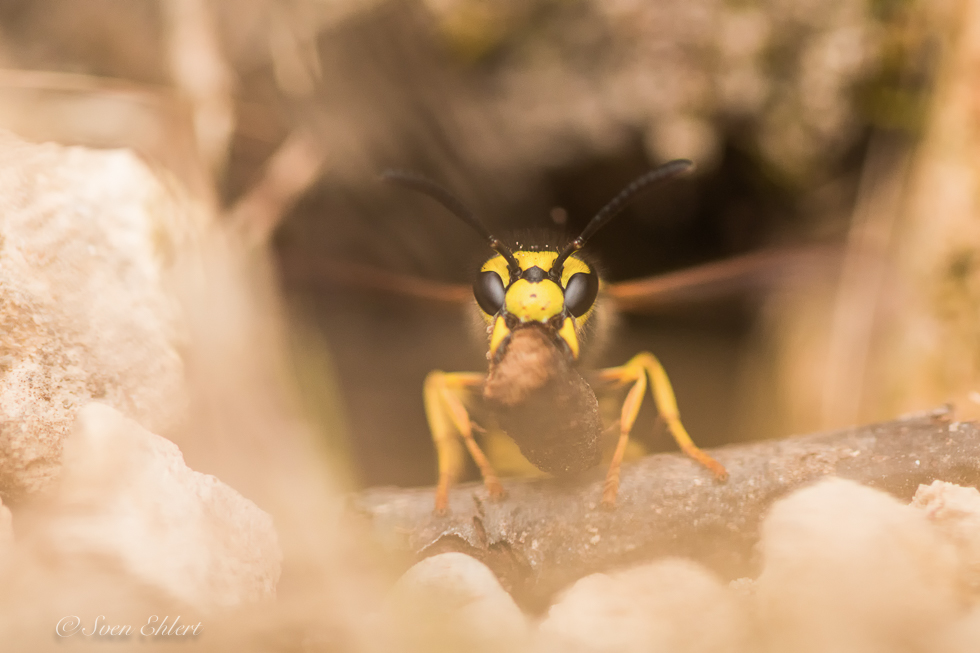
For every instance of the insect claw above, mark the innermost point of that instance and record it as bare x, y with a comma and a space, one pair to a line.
715, 467
609, 491
442, 501
496, 490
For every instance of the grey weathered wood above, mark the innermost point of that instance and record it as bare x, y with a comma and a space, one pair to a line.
545, 534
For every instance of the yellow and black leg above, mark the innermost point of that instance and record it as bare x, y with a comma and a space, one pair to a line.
449, 422
638, 370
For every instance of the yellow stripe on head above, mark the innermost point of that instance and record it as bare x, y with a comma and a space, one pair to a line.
500, 332
567, 333
536, 301
543, 260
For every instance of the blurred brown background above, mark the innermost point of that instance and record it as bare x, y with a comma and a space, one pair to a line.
844, 125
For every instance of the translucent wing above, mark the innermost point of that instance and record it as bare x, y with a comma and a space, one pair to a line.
731, 277
754, 272
302, 271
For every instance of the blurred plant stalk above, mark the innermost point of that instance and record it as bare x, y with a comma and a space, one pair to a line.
202, 75
900, 332
935, 324
102, 112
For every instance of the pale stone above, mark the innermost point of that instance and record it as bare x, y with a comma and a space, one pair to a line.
955, 511
86, 240
6, 526
452, 602
670, 605
7, 555
126, 495
851, 569
963, 636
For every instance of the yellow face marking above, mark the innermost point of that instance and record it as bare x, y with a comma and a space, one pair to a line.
534, 302
500, 331
541, 259
567, 333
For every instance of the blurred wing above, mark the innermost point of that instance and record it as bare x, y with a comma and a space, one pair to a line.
301, 271
703, 283
758, 271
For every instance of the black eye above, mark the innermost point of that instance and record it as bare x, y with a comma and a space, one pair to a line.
581, 292
489, 291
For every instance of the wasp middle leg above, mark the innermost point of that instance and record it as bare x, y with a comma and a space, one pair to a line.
638, 370
449, 422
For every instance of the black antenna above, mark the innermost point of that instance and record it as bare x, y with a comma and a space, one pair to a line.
665, 172
428, 187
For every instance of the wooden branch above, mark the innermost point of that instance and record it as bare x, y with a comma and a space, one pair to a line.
546, 533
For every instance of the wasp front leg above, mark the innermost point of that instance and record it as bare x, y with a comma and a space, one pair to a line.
639, 370
449, 422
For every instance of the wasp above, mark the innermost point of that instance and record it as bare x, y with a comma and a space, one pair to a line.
541, 304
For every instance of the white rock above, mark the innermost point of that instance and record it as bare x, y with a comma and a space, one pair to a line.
849, 568
963, 636
6, 530
955, 511
7, 556
671, 605
86, 240
126, 495
453, 602
6, 524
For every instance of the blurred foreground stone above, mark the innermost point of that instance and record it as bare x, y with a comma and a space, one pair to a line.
86, 238
955, 511
851, 569
454, 602
6, 530
127, 497
134, 331
670, 605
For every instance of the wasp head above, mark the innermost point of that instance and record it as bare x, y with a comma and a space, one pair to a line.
535, 292
531, 287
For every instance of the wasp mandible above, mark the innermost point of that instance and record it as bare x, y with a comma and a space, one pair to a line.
541, 303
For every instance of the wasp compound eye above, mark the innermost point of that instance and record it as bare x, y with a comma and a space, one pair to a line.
580, 293
489, 292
